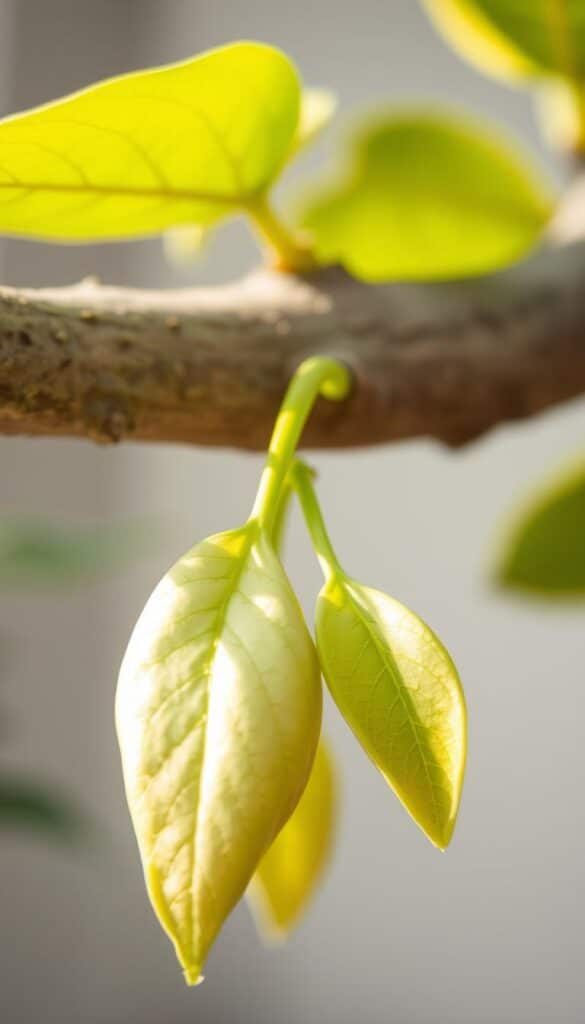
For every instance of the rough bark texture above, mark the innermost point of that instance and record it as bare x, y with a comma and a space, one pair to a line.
209, 366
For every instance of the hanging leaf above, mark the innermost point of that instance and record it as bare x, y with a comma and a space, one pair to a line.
218, 715
516, 38
29, 806
393, 682
428, 197
39, 553
544, 552
398, 689
182, 144
288, 873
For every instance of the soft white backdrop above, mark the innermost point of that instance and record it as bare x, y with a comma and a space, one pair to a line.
490, 932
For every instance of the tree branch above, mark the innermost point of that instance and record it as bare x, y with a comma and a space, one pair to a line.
209, 366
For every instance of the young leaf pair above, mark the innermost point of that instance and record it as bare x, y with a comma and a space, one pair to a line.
219, 703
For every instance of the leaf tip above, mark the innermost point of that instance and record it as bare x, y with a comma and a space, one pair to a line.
193, 975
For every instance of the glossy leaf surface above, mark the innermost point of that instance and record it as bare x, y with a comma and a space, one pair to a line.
134, 155
399, 691
544, 552
428, 197
290, 870
516, 37
218, 715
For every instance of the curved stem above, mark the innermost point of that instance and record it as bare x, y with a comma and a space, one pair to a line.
301, 477
318, 375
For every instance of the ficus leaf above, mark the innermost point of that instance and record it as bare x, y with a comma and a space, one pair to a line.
544, 550
134, 155
428, 197
218, 715
516, 38
394, 683
288, 873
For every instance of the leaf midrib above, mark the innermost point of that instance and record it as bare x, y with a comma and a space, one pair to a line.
192, 195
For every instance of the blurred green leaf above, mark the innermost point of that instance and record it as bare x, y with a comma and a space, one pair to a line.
39, 553
428, 197
544, 552
27, 805
516, 38
317, 108
134, 155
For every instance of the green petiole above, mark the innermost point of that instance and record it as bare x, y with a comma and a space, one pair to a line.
301, 477
318, 375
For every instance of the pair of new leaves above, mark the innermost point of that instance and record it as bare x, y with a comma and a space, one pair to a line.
219, 708
422, 195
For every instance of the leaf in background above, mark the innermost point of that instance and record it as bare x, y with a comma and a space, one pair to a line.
544, 552
288, 873
186, 143
39, 553
27, 805
400, 693
218, 713
516, 38
184, 245
428, 197
317, 108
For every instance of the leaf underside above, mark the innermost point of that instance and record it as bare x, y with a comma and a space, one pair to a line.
134, 155
218, 714
399, 691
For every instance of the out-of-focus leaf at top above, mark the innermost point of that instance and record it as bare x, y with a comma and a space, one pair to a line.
544, 552
428, 197
31, 806
516, 38
187, 143
39, 553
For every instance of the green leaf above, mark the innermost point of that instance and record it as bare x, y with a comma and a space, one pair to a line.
182, 144
428, 197
218, 715
27, 805
38, 553
290, 870
399, 691
393, 682
544, 551
516, 38
317, 109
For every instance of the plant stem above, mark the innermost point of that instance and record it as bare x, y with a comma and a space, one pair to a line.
301, 477
292, 254
318, 375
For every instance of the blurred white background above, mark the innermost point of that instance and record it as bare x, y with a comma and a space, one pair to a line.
489, 932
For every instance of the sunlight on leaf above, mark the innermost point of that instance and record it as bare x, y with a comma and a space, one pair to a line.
399, 691
516, 38
290, 870
182, 144
544, 551
428, 197
218, 712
